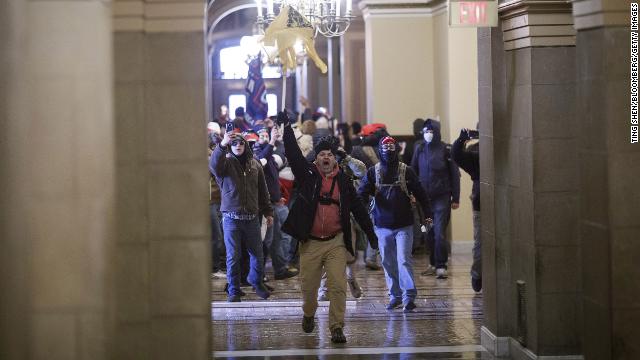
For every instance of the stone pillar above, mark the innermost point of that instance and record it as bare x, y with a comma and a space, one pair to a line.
529, 184
58, 182
13, 286
609, 166
163, 249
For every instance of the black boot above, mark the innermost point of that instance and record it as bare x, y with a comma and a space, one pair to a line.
337, 336
308, 323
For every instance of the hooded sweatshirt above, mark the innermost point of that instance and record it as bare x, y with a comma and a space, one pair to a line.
243, 186
438, 174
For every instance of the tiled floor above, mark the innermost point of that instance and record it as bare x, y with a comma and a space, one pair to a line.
446, 324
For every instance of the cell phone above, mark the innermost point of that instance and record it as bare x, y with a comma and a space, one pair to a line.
229, 127
474, 134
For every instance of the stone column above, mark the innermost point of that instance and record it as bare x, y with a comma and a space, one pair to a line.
163, 240
58, 179
609, 166
13, 335
529, 184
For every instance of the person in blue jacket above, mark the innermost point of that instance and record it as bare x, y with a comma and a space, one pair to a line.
440, 178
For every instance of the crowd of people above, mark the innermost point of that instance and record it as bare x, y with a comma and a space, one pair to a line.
316, 196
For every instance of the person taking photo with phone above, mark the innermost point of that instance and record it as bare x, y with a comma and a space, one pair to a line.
245, 198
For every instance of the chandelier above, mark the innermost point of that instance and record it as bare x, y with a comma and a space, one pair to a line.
328, 17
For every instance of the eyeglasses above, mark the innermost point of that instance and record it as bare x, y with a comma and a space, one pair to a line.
388, 147
237, 142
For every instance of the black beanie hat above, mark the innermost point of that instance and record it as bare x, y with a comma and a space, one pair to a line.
326, 143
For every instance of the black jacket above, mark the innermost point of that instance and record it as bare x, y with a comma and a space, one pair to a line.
264, 154
437, 172
309, 182
469, 161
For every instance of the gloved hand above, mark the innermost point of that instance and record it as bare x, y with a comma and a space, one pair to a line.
283, 118
340, 154
464, 135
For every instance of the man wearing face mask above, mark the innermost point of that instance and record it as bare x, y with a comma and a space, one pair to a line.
319, 219
275, 241
245, 199
395, 188
440, 178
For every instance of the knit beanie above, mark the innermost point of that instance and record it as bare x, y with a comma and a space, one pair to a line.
326, 143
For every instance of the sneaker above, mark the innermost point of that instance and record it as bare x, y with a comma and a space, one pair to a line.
356, 290
476, 284
219, 275
323, 297
308, 323
262, 291
394, 303
429, 272
371, 265
285, 275
441, 273
408, 307
337, 336
234, 298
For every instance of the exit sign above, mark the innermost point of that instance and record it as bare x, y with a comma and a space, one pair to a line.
473, 13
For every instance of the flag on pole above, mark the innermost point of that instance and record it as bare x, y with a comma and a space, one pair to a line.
257, 101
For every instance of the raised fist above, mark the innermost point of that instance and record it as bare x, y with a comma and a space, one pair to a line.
283, 118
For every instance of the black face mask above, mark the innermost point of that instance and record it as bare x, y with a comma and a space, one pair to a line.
388, 156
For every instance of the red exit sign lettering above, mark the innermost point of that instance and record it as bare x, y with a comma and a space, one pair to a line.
473, 13
469, 13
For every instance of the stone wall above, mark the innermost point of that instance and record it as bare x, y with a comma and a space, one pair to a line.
163, 250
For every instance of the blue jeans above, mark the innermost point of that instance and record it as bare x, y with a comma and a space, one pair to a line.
436, 239
277, 242
238, 233
217, 242
395, 250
